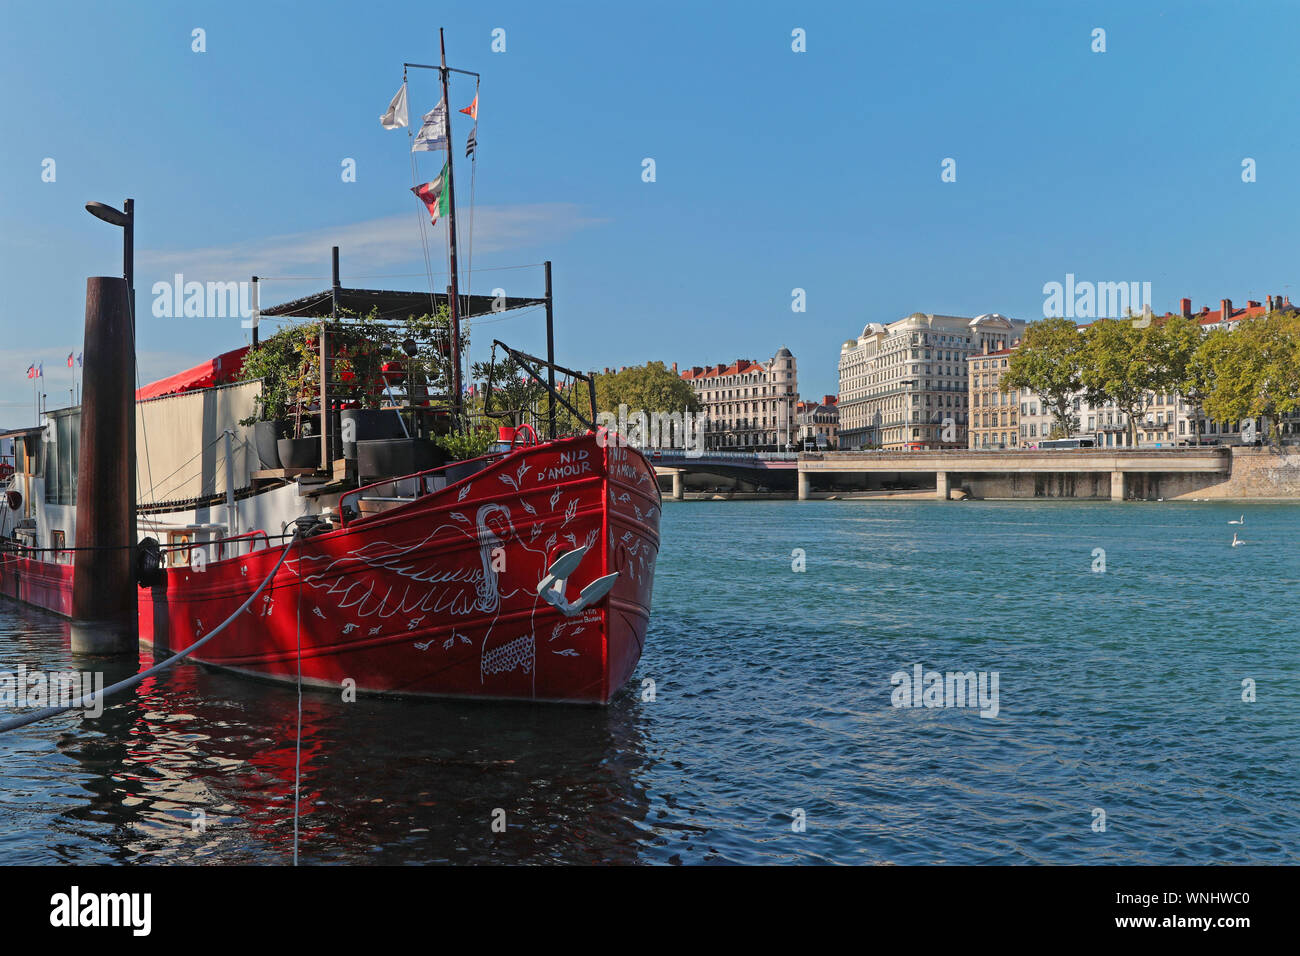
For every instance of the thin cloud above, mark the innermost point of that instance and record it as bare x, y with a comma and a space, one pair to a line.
373, 244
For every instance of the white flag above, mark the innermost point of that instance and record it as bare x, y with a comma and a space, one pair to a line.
432, 133
396, 115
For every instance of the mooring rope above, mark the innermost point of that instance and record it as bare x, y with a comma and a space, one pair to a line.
85, 700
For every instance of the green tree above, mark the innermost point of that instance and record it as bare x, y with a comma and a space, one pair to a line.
1049, 362
1181, 366
652, 387
1254, 370
1121, 365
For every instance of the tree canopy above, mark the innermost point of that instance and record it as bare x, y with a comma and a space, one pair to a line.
652, 387
1049, 363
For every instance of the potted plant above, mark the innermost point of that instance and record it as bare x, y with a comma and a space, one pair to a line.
363, 351
273, 361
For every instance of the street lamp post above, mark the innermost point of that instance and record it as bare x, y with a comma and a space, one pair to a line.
125, 218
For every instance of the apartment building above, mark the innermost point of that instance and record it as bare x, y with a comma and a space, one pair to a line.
1167, 419
750, 405
819, 423
904, 385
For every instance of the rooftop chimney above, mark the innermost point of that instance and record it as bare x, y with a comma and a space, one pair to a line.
674, 368
1225, 307
1186, 305
1270, 303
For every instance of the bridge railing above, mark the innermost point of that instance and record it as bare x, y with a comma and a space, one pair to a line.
676, 454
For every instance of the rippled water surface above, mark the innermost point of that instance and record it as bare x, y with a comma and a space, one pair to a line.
1118, 691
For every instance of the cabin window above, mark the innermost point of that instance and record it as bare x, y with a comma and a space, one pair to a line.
61, 443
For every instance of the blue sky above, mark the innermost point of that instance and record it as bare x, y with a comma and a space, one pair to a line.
775, 170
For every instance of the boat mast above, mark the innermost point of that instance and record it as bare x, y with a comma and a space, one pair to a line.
454, 297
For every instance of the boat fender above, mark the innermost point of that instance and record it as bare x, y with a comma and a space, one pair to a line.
149, 563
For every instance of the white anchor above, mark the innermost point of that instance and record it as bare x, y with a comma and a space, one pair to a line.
551, 587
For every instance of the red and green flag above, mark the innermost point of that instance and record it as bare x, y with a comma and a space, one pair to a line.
434, 195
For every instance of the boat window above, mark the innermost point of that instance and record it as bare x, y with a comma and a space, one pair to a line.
61, 442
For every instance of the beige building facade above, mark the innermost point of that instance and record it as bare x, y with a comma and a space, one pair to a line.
749, 405
904, 385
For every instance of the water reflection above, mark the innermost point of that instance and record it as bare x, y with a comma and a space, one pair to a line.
195, 765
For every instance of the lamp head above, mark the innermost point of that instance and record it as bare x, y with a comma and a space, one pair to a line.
114, 217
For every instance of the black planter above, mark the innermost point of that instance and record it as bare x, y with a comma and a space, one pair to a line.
394, 457
265, 436
367, 424
299, 452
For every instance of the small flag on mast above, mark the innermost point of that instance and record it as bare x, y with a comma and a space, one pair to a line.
79, 362
31, 370
472, 112
433, 132
70, 358
433, 195
396, 115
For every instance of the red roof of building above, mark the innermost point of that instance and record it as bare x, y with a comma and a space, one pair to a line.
738, 367
221, 370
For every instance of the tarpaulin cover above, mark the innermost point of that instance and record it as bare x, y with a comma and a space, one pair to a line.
221, 370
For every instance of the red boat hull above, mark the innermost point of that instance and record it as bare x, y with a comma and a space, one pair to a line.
438, 596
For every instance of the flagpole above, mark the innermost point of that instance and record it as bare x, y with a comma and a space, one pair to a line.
454, 297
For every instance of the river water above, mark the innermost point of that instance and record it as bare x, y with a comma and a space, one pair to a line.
761, 726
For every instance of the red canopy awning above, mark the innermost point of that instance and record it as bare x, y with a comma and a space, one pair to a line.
221, 370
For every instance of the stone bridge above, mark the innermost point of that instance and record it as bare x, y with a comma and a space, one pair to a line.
1014, 473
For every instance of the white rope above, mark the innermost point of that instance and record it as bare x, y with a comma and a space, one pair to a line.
87, 700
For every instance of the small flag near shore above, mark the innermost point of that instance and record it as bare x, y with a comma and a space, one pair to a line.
472, 143
79, 362
31, 370
433, 195
433, 132
71, 356
396, 115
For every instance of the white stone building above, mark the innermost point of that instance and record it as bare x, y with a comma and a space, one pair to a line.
750, 406
904, 385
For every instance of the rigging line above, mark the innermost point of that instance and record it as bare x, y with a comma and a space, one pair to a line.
262, 278
144, 428
513, 314
216, 464
473, 179
408, 275
424, 239
88, 699
187, 461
